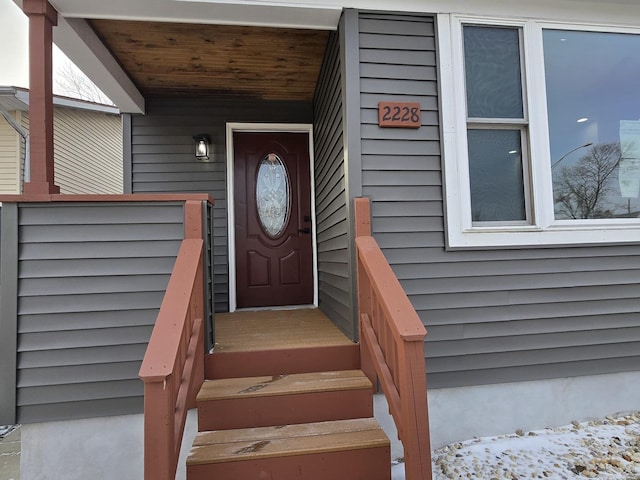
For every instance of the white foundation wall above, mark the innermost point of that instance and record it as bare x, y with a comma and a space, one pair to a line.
107, 448
110, 448
457, 414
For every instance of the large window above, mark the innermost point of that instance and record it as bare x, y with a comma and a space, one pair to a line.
593, 107
542, 133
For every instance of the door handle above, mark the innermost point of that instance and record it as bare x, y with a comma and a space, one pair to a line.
305, 230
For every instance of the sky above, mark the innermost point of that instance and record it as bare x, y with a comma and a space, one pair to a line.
14, 47
14, 68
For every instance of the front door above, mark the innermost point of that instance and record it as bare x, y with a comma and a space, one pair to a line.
274, 256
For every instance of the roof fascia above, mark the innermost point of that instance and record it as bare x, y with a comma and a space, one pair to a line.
322, 15
15, 98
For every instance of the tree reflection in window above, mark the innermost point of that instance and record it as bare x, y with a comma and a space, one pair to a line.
586, 189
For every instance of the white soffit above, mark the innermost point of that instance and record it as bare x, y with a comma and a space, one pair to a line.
77, 40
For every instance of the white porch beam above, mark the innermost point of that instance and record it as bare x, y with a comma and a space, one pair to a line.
79, 42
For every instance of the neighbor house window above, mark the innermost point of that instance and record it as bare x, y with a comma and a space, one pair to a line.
542, 133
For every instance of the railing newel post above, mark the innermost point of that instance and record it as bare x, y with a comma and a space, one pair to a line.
169, 392
158, 452
392, 342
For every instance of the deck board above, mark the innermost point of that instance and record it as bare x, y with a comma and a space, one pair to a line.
283, 385
276, 329
269, 442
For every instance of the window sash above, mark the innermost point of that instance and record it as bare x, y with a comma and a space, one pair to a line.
522, 186
521, 73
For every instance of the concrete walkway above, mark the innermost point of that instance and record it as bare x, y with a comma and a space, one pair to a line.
10, 455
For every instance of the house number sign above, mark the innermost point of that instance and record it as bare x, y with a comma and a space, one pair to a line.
399, 114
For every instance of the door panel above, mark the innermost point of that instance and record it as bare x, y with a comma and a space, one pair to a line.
274, 256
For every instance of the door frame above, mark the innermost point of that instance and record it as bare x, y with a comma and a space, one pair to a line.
231, 128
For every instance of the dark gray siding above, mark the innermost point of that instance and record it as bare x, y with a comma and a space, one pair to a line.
492, 316
334, 279
8, 314
91, 278
162, 155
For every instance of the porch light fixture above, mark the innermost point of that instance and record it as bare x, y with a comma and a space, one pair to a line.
202, 146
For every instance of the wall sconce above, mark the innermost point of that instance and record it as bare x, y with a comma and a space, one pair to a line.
202, 146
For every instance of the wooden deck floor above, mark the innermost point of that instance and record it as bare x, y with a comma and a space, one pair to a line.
275, 329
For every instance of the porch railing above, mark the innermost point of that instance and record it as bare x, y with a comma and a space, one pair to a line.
173, 365
392, 346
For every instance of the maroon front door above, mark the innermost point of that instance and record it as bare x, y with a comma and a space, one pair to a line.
274, 258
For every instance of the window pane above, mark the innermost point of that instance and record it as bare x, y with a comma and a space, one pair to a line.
492, 69
495, 173
272, 195
593, 106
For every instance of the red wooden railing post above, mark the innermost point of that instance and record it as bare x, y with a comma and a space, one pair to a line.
418, 455
362, 217
157, 455
391, 346
363, 228
194, 228
173, 365
198, 314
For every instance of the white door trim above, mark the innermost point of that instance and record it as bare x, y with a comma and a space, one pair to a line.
265, 127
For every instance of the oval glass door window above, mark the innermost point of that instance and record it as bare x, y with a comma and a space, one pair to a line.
273, 197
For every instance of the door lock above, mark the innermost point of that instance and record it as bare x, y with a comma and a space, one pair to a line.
305, 230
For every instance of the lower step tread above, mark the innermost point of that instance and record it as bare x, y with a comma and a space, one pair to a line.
288, 440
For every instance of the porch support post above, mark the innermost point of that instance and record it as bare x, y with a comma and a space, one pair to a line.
42, 18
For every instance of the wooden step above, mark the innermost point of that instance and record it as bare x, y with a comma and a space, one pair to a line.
274, 342
235, 364
345, 449
284, 400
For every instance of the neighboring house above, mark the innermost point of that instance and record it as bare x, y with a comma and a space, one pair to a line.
525, 272
88, 144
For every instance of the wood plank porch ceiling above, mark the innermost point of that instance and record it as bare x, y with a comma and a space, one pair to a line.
174, 59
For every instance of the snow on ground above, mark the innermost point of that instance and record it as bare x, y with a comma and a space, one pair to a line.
606, 449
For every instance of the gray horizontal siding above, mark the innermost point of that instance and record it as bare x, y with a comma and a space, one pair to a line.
8, 312
91, 278
125, 400
495, 315
162, 156
335, 296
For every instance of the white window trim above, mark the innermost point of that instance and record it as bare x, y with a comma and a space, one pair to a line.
544, 229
